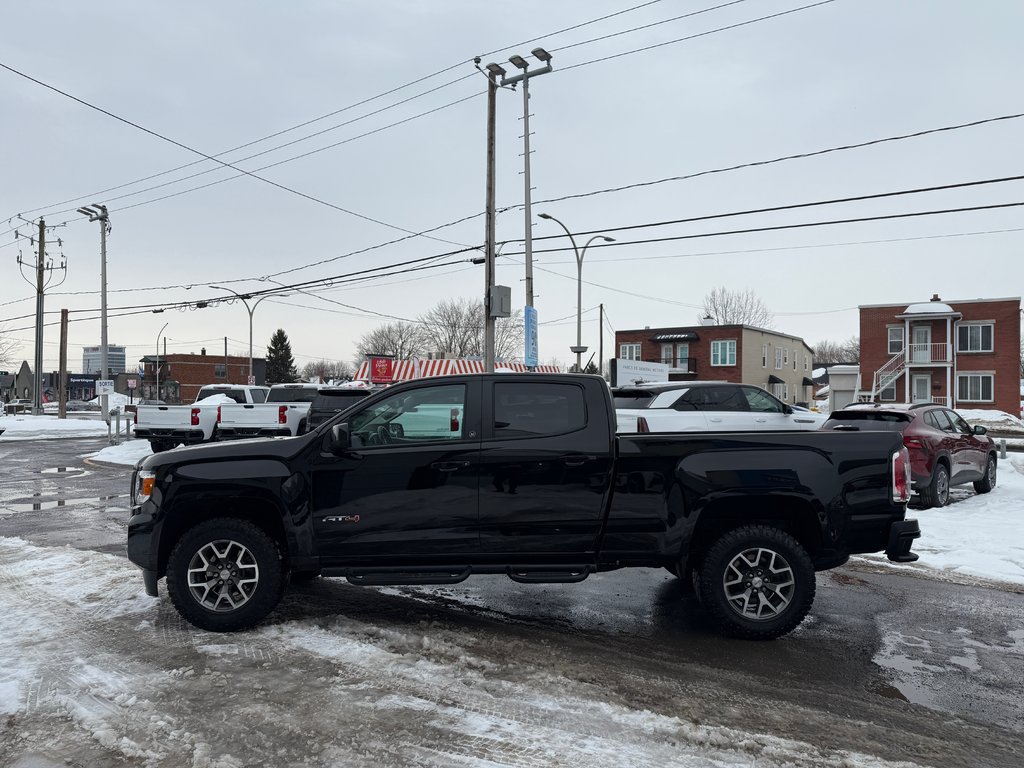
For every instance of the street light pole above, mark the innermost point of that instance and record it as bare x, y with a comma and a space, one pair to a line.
579, 349
157, 368
250, 309
97, 212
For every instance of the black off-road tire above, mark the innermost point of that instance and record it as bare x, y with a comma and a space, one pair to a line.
756, 582
937, 492
159, 446
988, 482
243, 577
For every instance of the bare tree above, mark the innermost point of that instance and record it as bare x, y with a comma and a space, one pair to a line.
7, 347
831, 352
727, 307
400, 339
456, 327
327, 370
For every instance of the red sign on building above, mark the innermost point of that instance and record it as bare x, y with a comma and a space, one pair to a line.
381, 370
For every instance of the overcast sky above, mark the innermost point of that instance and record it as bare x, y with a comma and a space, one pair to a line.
213, 76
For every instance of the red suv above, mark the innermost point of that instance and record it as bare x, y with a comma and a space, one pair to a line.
944, 449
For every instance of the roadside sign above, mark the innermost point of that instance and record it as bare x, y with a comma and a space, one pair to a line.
530, 324
132, 383
252, 380
104, 386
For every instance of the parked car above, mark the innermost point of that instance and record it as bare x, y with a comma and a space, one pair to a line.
700, 406
166, 426
20, 405
284, 414
944, 449
433, 480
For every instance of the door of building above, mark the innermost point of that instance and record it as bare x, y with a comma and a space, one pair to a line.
921, 388
921, 344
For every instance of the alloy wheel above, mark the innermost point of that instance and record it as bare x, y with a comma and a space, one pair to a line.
758, 583
223, 575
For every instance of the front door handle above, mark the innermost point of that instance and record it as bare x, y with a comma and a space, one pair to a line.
577, 461
449, 466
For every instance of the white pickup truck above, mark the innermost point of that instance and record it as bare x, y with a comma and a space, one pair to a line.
167, 426
284, 414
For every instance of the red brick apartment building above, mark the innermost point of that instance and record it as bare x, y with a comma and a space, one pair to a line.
963, 354
182, 376
742, 354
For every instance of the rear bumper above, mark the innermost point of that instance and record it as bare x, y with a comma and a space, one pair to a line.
238, 433
901, 539
170, 433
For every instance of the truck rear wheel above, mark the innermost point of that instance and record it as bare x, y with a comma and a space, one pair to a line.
225, 575
757, 582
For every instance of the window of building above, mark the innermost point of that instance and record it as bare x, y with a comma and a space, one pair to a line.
975, 387
785, 356
666, 354
974, 337
764, 355
888, 394
220, 371
895, 339
778, 358
629, 351
723, 352
796, 356
807, 362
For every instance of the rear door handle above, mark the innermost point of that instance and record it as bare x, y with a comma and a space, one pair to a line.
449, 466
578, 461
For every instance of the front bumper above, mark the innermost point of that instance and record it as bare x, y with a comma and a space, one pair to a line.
901, 539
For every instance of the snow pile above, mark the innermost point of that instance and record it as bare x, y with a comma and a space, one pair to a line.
993, 420
27, 427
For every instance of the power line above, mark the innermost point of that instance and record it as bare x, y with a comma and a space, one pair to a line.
344, 109
784, 158
694, 37
212, 157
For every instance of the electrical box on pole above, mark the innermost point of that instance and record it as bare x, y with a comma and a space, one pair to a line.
501, 301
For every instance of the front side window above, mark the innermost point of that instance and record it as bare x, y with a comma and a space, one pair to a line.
974, 387
723, 352
429, 414
976, 337
629, 351
528, 409
895, 340
760, 401
727, 397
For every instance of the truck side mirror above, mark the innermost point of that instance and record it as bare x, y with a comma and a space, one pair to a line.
341, 441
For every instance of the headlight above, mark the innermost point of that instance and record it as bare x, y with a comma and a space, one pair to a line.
143, 487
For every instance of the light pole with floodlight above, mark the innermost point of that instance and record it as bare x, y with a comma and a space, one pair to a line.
243, 298
157, 367
579, 349
97, 212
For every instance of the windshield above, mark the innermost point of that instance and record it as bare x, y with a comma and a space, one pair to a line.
868, 420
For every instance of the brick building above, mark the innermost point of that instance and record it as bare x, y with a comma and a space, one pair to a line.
778, 362
963, 354
182, 376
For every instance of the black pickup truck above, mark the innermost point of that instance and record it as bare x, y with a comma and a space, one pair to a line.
431, 481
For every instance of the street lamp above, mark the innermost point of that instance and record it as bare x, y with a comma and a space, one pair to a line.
157, 367
97, 212
526, 73
242, 297
579, 349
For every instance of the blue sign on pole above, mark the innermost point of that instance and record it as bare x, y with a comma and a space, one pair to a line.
530, 318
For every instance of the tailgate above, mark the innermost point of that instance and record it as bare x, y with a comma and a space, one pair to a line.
248, 414
164, 415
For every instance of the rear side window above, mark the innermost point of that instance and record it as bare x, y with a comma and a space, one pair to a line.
524, 409
236, 395
632, 398
258, 395
297, 395
868, 421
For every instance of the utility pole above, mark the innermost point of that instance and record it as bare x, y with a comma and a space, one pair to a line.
97, 212
600, 340
62, 397
37, 395
494, 71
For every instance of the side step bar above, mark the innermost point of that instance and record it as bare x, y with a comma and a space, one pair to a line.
524, 574
572, 575
381, 578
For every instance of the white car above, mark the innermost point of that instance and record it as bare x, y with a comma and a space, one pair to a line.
706, 406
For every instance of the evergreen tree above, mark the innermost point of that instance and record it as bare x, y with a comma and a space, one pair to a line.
280, 363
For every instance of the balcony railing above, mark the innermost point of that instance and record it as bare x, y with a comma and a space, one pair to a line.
927, 354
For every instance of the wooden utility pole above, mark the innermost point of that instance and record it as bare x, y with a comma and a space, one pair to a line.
37, 395
492, 97
600, 341
62, 397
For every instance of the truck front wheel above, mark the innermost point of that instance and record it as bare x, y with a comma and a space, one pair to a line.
224, 575
757, 582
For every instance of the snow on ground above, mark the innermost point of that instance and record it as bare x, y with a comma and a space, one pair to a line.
28, 427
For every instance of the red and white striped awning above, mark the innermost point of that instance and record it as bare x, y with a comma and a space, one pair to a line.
405, 370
